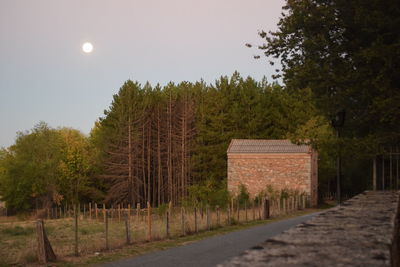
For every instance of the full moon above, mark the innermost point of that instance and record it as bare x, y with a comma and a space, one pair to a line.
87, 47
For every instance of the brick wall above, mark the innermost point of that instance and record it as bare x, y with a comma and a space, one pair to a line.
286, 170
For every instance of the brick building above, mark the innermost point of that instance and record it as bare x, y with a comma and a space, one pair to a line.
279, 163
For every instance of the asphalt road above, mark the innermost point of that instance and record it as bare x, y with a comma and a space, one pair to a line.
213, 250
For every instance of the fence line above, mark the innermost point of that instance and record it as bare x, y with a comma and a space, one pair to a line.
90, 227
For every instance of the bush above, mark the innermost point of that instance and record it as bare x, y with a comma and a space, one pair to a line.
162, 209
209, 193
244, 195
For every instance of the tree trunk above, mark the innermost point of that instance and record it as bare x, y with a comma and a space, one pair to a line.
130, 167
159, 169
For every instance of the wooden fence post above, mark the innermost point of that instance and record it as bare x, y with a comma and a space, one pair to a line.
76, 248
119, 212
254, 209
106, 225
266, 208
90, 210
218, 216
167, 224
104, 212
279, 206
232, 208
245, 210
149, 220
238, 210
298, 202
138, 212
208, 217
293, 203
196, 229
284, 205
45, 252
128, 228
183, 221
96, 210
229, 215
287, 205
170, 207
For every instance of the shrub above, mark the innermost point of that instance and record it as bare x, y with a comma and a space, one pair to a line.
162, 209
244, 195
209, 192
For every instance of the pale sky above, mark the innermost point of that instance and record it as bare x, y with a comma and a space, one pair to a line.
45, 76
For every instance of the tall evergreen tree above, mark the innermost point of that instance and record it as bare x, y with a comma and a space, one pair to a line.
347, 53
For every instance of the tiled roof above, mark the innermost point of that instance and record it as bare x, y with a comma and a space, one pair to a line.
266, 146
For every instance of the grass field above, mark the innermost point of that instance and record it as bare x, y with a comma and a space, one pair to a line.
18, 242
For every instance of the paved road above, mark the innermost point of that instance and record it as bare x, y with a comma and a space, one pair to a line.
213, 250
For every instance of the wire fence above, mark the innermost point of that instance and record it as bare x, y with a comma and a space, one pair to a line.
92, 228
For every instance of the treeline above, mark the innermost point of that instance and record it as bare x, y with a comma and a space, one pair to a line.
47, 166
144, 141
161, 144
155, 144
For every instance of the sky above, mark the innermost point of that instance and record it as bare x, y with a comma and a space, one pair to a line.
45, 75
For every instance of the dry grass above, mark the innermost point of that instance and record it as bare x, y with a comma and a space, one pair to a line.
18, 238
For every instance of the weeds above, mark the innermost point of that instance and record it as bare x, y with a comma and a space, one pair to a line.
18, 231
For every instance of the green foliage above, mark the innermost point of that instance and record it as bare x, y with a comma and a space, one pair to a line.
233, 107
243, 195
285, 193
18, 231
30, 168
209, 192
43, 167
346, 53
162, 209
74, 166
88, 229
273, 193
62, 165
241, 108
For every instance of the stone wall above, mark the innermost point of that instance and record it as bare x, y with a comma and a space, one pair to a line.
364, 231
286, 170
